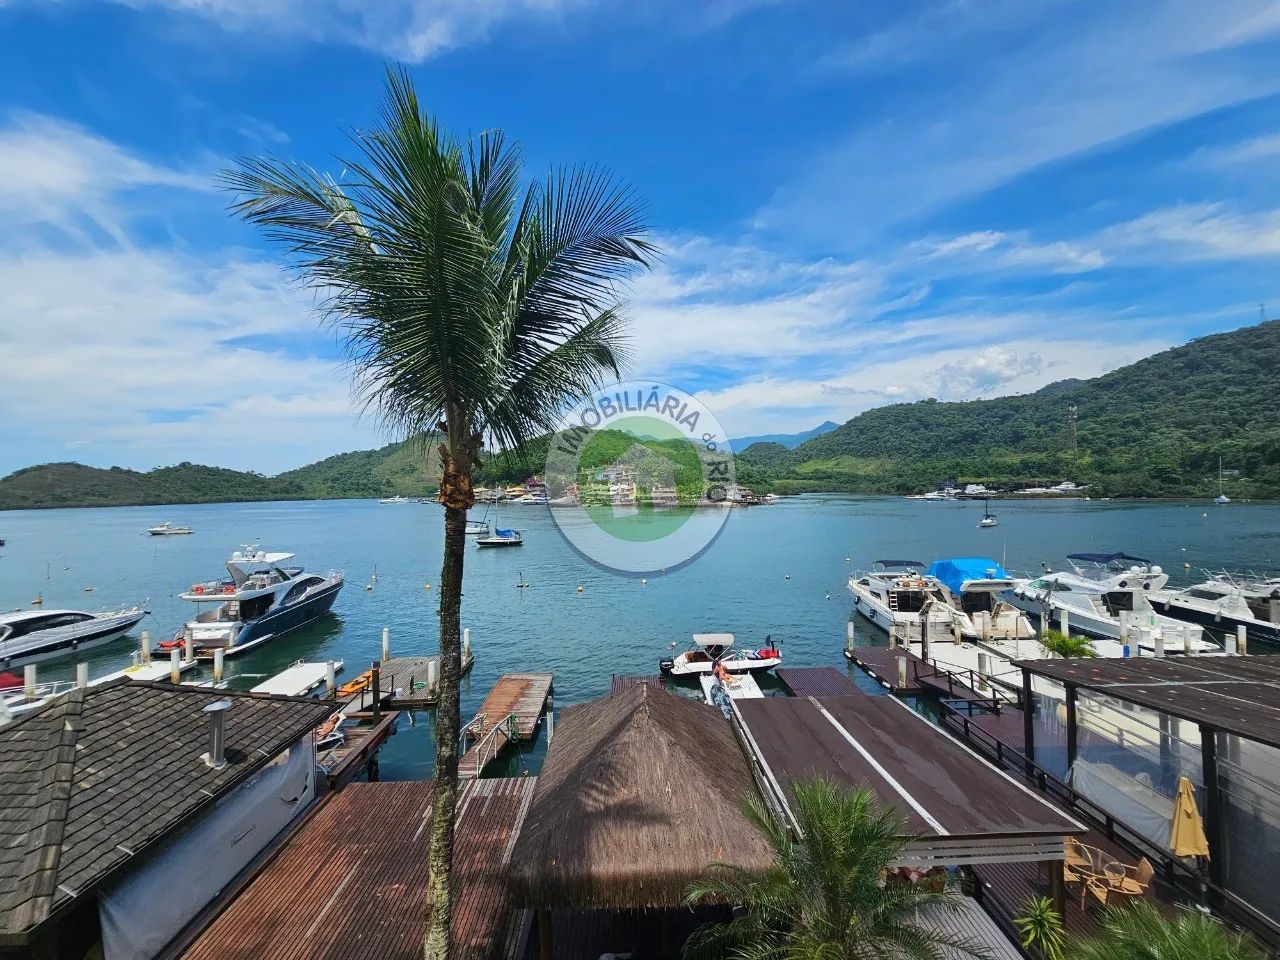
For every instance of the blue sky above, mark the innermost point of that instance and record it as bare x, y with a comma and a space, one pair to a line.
860, 203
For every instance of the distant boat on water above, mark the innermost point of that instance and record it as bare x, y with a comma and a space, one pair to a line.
396, 499
988, 518
1221, 498
167, 529
501, 538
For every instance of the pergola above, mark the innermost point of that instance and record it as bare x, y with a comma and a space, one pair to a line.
1239, 696
958, 809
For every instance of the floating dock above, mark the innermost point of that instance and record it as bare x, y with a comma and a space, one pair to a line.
510, 713
298, 680
403, 681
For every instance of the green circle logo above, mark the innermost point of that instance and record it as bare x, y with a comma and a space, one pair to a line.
640, 478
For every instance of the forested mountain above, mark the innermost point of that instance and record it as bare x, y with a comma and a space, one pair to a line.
788, 440
1153, 428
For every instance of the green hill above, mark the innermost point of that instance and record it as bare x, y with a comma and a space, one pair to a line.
410, 468
1153, 428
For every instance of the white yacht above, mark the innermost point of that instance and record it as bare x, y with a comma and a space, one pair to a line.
501, 538
896, 596
477, 528
32, 636
1225, 602
536, 495
396, 499
262, 599
1109, 600
708, 649
168, 529
977, 591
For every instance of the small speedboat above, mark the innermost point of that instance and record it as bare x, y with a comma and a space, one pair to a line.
396, 499
167, 529
501, 538
708, 649
31, 636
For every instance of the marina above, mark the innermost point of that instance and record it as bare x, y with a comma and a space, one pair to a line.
510, 714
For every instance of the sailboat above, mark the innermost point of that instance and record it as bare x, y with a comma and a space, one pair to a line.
1221, 498
988, 518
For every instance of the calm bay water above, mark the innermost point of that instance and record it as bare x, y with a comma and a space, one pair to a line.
776, 570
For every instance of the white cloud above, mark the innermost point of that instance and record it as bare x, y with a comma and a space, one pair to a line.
1264, 148
1073, 78
411, 30
61, 175
1200, 231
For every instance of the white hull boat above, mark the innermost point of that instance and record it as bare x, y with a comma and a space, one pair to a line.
1225, 602
708, 649
501, 538
167, 529
34, 636
1112, 603
897, 597
477, 528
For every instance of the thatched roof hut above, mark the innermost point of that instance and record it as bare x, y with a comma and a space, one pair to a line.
639, 794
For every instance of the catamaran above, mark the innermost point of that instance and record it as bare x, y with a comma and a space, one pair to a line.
708, 649
261, 600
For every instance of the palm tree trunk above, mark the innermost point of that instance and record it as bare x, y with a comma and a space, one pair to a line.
438, 942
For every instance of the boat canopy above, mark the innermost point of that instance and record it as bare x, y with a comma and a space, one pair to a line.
507, 534
955, 573
901, 563
1105, 557
274, 559
713, 639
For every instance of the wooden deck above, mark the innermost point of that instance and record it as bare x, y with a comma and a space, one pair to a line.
352, 882
404, 681
817, 682
365, 737
881, 664
523, 697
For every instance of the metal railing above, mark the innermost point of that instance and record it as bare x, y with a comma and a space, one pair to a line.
483, 739
1187, 880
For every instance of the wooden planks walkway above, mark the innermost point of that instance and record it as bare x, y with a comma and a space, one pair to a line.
881, 664
364, 738
510, 712
817, 682
352, 882
404, 680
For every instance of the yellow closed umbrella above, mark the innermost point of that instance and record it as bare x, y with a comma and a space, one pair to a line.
1186, 837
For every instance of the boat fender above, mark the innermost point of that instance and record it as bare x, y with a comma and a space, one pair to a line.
228, 590
197, 590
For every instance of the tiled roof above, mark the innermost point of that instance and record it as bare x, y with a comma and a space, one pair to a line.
93, 777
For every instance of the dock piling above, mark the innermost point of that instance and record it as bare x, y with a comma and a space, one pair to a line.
29, 681
466, 643
82, 675
1064, 622
1186, 641
375, 681
218, 656
386, 643
1159, 642
1124, 627
330, 680
175, 666
146, 646
433, 672
1242, 639
849, 643
902, 672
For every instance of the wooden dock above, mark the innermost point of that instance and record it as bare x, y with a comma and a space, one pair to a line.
817, 682
881, 664
404, 681
510, 713
364, 738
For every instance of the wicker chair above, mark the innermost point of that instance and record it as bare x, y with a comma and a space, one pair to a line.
1122, 880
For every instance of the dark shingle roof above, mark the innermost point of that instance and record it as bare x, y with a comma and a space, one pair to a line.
93, 777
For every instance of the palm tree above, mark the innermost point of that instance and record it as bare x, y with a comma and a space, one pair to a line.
826, 897
1055, 641
1138, 931
472, 306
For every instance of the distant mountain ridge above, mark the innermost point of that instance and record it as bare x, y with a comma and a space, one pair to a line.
788, 440
1153, 428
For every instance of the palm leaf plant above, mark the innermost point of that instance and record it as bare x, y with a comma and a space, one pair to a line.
1041, 928
472, 305
1055, 641
826, 897
1138, 931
